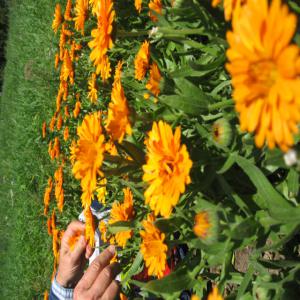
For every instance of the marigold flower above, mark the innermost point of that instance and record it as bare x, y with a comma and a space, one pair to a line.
46, 295
230, 7
265, 71
49, 229
55, 243
73, 239
94, 5
214, 295
67, 15
56, 147
89, 153
52, 123
44, 128
101, 190
141, 62
103, 230
81, 14
93, 90
67, 71
195, 297
122, 212
202, 224
57, 18
102, 40
59, 122
156, 6
118, 123
74, 47
59, 192
123, 297
47, 194
138, 5
153, 248
66, 133
89, 227
154, 80
56, 62
167, 168
111, 148
66, 112
76, 110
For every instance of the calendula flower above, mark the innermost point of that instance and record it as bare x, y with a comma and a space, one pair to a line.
59, 122
265, 71
102, 40
55, 242
73, 239
195, 297
138, 5
122, 297
76, 110
81, 14
202, 224
141, 62
89, 153
214, 295
59, 192
52, 123
167, 168
66, 112
66, 133
222, 132
57, 18
111, 148
153, 248
46, 295
101, 190
74, 47
230, 7
154, 80
156, 6
118, 123
89, 227
47, 195
56, 62
122, 212
67, 71
56, 147
44, 128
103, 230
93, 89
67, 15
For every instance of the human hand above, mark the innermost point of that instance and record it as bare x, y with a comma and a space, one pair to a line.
72, 262
98, 280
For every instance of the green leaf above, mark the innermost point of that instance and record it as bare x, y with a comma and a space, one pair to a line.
244, 229
245, 282
278, 207
133, 151
120, 226
169, 225
134, 269
227, 165
293, 183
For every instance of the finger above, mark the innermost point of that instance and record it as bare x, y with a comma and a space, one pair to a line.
112, 292
79, 248
73, 229
88, 251
96, 267
104, 279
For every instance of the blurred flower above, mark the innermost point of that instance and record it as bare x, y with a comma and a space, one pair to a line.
52, 123
154, 80
122, 212
66, 112
89, 153
101, 190
47, 195
265, 71
81, 14
67, 68
44, 128
74, 47
93, 90
76, 110
156, 6
56, 147
138, 5
222, 132
73, 239
290, 158
118, 124
167, 168
67, 15
214, 295
59, 192
57, 18
153, 248
59, 122
122, 297
141, 62
46, 295
103, 230
202, 224
89, 227
66, 133
56, 63
55, 242
195, 297
102, 40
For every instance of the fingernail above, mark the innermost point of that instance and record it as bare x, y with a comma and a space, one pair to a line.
112, 249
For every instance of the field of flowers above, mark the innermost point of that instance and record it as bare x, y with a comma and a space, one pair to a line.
180, 117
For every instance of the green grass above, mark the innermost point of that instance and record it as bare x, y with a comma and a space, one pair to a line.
27, 98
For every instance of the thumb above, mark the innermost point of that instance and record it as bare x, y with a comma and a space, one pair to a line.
79, 248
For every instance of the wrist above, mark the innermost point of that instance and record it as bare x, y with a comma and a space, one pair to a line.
65, 283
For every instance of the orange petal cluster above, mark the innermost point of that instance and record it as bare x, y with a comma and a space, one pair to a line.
141, 62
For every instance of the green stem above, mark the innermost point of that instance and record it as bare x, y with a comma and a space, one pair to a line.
221, 104
125, 34
181, 32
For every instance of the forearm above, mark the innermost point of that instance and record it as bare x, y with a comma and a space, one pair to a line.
58, 292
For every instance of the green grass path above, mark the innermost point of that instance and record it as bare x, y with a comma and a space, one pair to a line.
27, 99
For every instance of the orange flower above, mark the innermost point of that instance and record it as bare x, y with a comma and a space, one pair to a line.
167, 168
118, 123
195, 297
44, 128
102, 40
73, 239
95, 6
111, 148
101, 190
46, 295
49, 229
56, 63
74, 47
153, 248
230, 7
59, 122
89, 227
122, 297
52, 123
93, 90
76, 110
122, 212
214, 295
154, 81
81, 14
59, 192
89, 154
47, 196
55, 242
202, 224
67, 71
66, 133
138, 5
57, 18
265, 71
103, 230
67, 15
156, 6
67, 114
56, 148
141, 62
